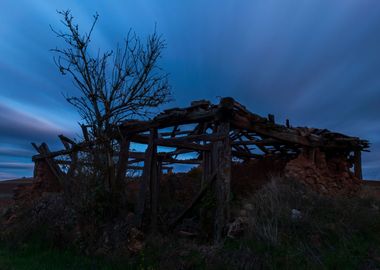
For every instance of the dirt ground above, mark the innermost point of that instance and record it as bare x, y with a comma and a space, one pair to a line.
7, 187
371, 189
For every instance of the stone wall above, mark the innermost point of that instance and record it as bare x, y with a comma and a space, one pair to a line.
324, 174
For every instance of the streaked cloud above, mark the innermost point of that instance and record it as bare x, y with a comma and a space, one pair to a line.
315, 62
16, 165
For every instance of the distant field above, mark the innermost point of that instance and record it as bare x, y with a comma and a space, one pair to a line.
25, 180
371, 188
7, 187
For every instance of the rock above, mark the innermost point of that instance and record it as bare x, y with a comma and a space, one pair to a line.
243, 213
248, 206
296, 214
236, 227
135, 240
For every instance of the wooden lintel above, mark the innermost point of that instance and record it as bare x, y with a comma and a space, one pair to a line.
176, 117
181, 161
255, 142
171, 134
139, 168
191, 138
243, 154
179, 143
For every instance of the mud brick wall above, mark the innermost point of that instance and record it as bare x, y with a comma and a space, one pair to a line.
324, 174
44, 178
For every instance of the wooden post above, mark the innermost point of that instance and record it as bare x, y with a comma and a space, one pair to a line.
358, 164
206, 167
148, 174
205, 181
155, 187
69, 145
122, 162
221, 156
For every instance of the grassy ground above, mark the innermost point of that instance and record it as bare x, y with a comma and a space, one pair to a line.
354, 253
37, 257
329, 233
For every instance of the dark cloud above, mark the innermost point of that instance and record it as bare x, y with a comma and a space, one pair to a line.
315, 62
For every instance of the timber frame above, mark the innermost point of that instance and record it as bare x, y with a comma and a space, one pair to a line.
213, 135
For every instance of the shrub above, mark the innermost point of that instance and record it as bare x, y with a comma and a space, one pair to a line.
291, 225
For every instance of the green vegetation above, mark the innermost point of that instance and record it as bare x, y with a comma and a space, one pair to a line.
34, 256
326, 233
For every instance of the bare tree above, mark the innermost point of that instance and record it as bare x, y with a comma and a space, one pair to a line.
113, 85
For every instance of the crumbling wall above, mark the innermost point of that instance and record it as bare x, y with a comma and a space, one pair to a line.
325, 174
44, 177
44, 181
249, 176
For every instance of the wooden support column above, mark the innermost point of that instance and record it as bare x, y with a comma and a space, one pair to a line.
358, 164
221, 158
155, 187
206, 167
122, 162
149, 172
69, 145
205, 181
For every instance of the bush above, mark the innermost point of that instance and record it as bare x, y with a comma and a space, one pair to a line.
293, 226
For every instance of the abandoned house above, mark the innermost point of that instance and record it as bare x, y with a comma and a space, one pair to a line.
229, 143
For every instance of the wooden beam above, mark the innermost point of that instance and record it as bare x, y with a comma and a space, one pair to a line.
172, 135
75, 148
177, 142
165, 157
85, 133
276, 132
263, 142
192, 138
69, 144
181, 161
241, 154
66, 140
129, 167
173, 118
184, 143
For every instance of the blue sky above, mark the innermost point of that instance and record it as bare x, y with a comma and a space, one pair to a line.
316, 62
